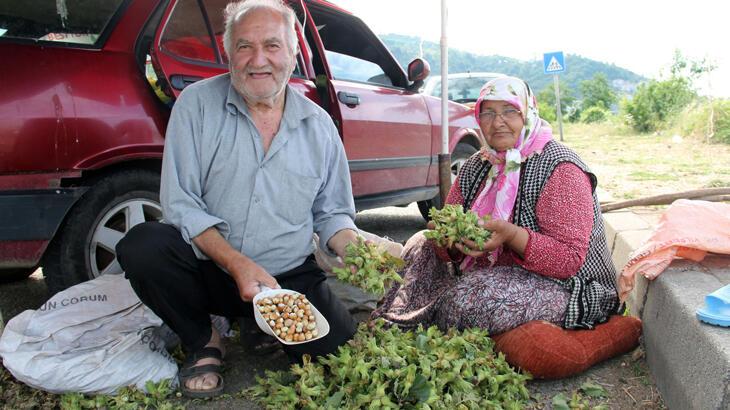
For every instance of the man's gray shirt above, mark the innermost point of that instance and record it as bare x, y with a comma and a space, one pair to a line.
215, 174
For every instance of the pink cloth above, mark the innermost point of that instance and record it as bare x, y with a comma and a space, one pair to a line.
565, 214
498, 198
688, 229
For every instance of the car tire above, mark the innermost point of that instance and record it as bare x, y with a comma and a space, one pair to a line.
15, 274
84, 246
462, 152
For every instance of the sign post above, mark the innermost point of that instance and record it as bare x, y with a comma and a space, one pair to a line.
554, 63
444, 157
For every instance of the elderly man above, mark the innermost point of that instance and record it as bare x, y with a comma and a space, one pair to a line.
251, 170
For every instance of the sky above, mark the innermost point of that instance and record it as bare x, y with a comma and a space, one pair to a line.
639, 35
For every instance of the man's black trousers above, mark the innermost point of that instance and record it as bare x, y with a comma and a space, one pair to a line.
184, 291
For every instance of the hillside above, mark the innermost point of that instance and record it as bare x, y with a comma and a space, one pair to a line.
406, 48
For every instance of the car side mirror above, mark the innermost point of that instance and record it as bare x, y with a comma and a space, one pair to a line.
418, 70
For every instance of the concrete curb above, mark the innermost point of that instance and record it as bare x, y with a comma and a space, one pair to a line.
625, 232
690, 360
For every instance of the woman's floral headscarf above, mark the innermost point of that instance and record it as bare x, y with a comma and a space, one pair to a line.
497, 199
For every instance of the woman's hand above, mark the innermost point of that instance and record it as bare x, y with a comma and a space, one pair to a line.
465, 246
453, 253
506, 234
503, 234
469, 248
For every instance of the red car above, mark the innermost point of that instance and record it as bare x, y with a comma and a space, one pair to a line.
87, 91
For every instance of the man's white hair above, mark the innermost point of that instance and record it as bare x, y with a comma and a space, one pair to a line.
236, 10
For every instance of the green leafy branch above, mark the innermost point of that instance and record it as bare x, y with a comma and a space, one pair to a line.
374, 269
388, 368
452, 225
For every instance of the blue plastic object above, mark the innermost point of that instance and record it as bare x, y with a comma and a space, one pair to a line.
717, 308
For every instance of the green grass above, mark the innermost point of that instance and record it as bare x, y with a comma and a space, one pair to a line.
650, 176
630, 165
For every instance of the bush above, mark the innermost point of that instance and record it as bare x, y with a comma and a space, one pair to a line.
656, 102
547, 112
594, 114
546, 102
695, 121
597, 93
722, 121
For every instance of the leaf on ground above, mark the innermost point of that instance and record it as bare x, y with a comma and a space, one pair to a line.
335, 400
421, 390
560, 402
422, 342
593, 390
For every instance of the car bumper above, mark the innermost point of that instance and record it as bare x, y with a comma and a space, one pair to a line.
28, 221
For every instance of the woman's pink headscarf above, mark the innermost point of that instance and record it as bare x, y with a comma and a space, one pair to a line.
497, 199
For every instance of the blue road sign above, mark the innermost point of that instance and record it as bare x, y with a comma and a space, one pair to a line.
553, 63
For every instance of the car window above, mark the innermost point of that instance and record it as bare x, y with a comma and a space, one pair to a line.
186, 35
69, 21
344, 67
353, 52
462, 88
214, 10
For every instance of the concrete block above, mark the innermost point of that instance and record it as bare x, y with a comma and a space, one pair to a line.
617, 222
719, 266
625, 243
604, 196
610, 234
637, 298
690, 360
626, 221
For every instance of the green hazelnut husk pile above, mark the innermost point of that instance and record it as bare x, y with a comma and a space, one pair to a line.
387, 368
376, 269
453, 225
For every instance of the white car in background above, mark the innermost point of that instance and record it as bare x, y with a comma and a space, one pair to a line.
463, 87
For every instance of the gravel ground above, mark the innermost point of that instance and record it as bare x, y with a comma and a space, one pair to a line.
625, 379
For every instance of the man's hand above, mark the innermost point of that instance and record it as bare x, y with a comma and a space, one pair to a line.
249, 277
339, 241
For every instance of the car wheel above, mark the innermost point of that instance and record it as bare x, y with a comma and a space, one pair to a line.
15, 274
461, 154
84, 247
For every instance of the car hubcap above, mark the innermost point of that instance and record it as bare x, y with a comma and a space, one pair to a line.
112, 228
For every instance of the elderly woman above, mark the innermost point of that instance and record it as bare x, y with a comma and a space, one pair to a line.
547, 257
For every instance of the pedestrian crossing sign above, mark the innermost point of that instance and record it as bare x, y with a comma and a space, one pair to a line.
553, 62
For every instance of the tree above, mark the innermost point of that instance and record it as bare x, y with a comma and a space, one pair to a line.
692, 70
597, 93
658, 100
546, 102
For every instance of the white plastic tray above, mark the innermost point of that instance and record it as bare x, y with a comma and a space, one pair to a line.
323, 327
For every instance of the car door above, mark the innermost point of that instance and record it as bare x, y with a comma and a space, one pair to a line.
188, 47
384, 126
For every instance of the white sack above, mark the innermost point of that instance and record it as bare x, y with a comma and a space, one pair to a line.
95, 337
